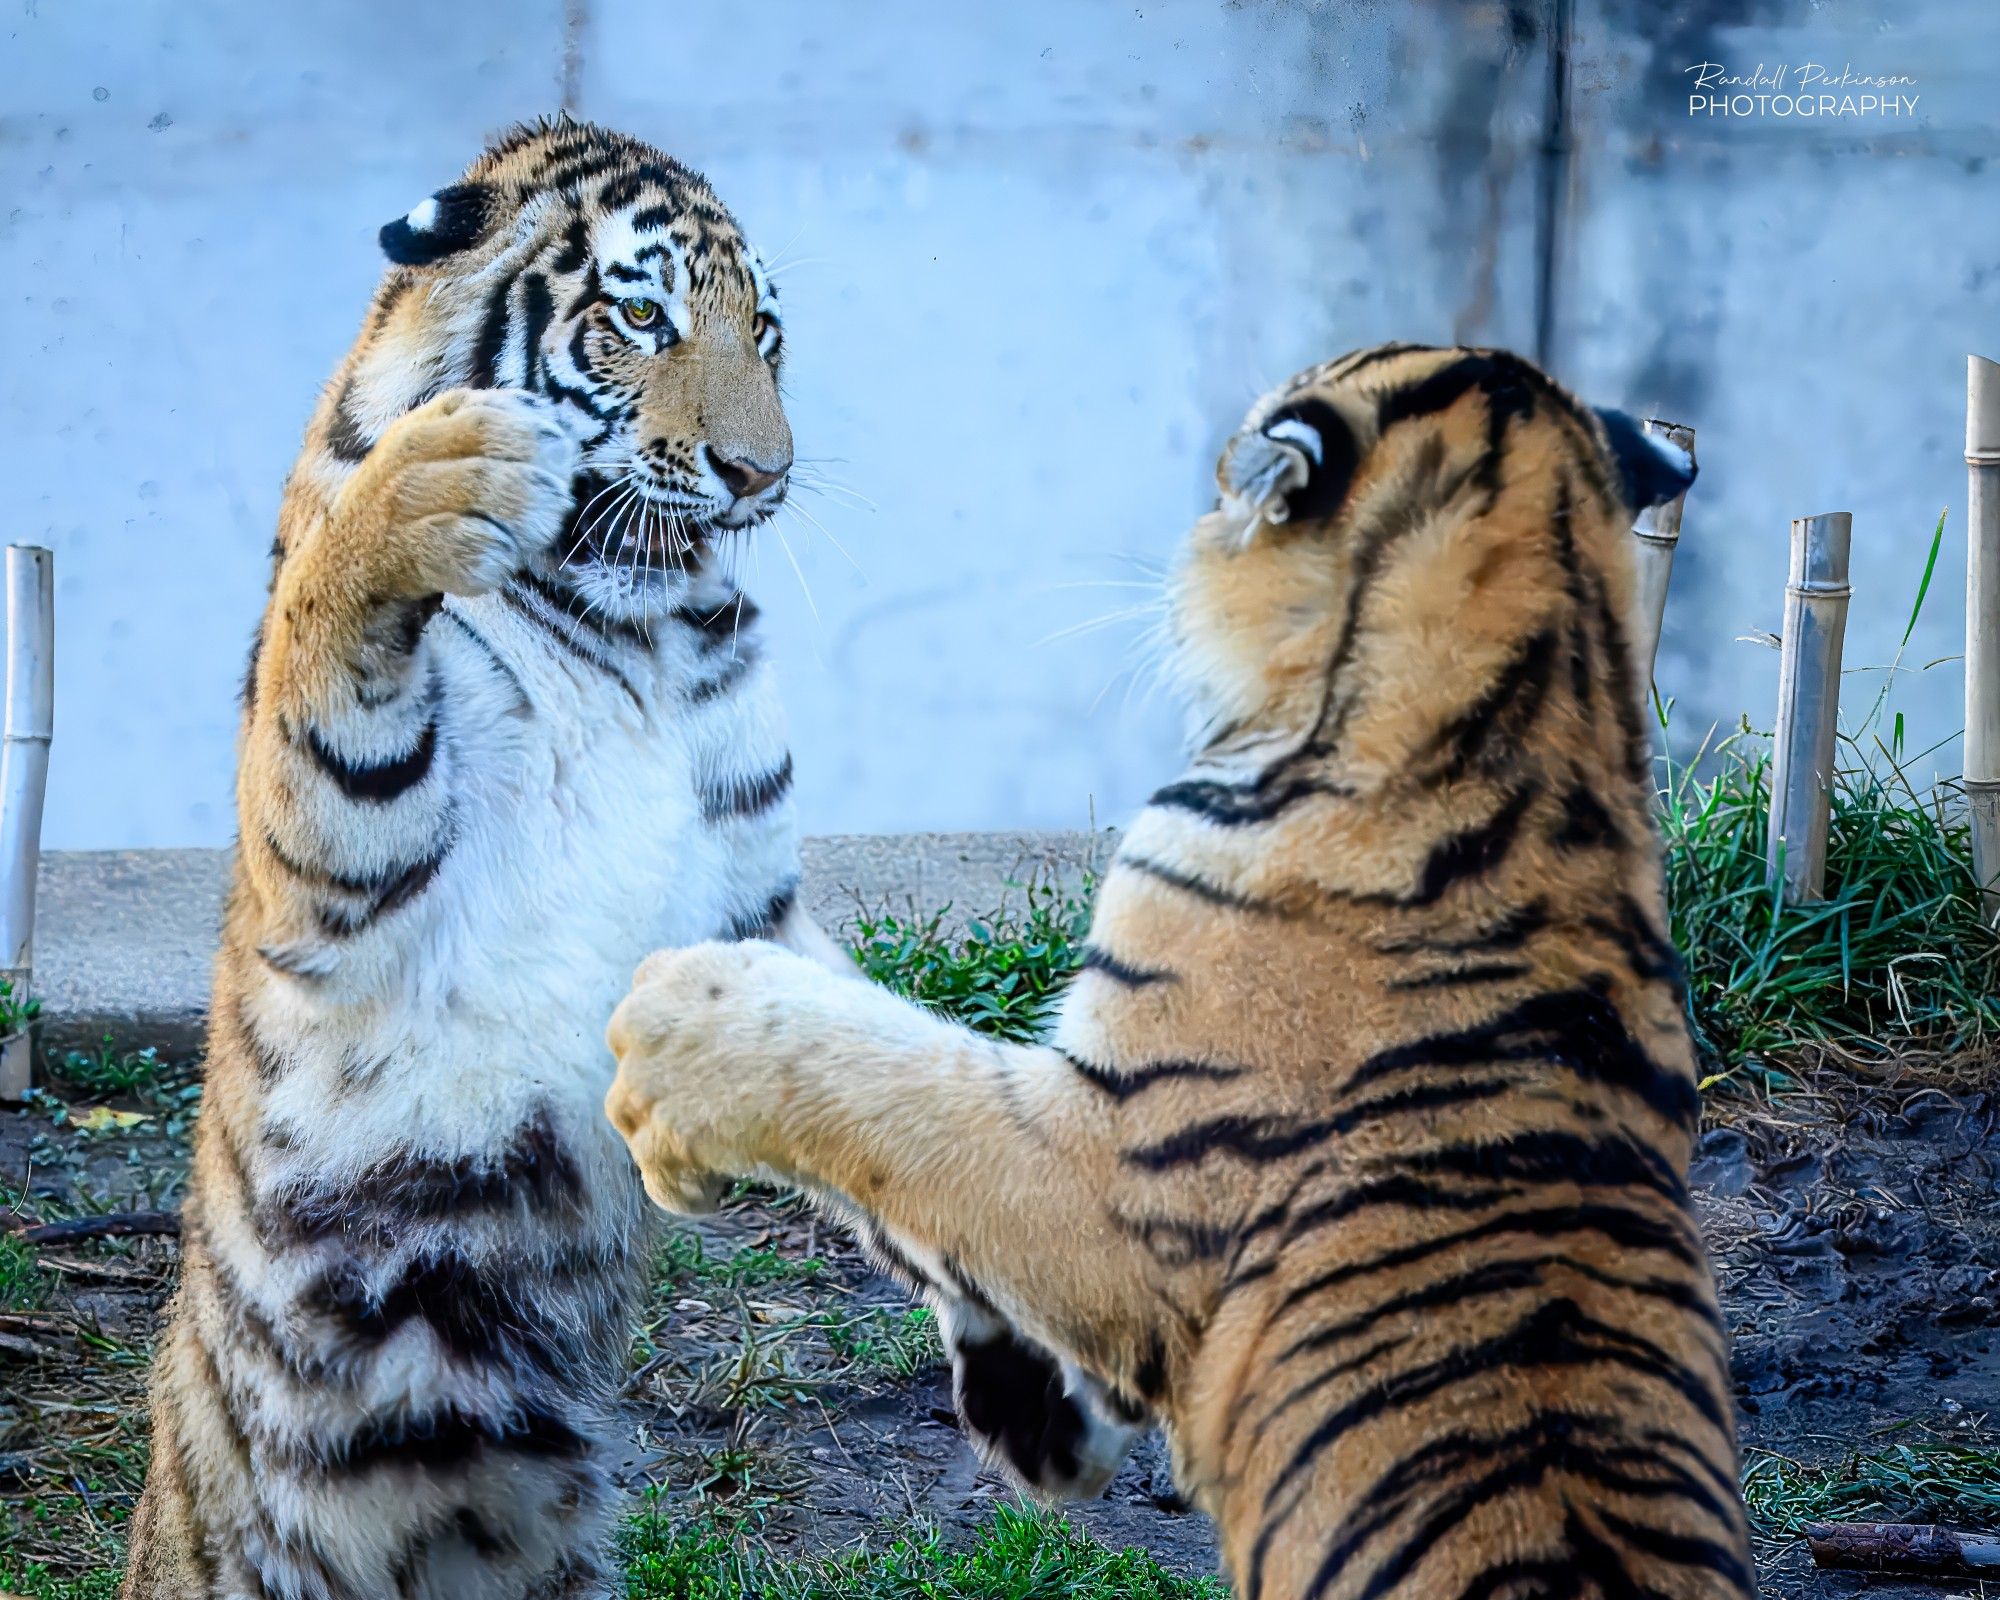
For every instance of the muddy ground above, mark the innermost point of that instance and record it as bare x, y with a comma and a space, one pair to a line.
1856, 1234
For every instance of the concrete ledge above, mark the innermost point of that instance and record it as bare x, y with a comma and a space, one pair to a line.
124, 939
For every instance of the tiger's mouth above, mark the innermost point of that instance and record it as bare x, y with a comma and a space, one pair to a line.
620, 522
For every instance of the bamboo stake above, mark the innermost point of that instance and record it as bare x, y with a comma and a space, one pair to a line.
1903, 1547
1658, 532
29, 720
1982, 624
1808, 704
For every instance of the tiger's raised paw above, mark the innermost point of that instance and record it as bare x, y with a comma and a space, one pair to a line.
465, 490
703, 1043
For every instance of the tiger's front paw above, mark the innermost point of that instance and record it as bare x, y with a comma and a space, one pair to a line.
702, 1053
465, 490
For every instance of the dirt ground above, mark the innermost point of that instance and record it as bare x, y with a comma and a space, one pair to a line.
1857, 1237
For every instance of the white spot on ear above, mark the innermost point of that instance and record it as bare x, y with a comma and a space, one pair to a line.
1302, 434
423, 216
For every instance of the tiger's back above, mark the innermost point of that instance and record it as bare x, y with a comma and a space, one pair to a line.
1382, 990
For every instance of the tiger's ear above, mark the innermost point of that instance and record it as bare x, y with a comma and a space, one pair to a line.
1295, 466
451, 220
1651, 467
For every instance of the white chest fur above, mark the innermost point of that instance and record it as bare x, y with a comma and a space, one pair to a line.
582, 839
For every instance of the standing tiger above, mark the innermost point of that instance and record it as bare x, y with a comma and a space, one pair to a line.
1358, 1155
505, 730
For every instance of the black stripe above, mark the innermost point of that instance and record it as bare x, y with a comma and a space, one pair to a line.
700, 694
1425, 492
746, 797
441, 1440
1463, 857
1552, 1445
1403, 1189
1554, 1155
1649, 954
1487, 734
478, 1317
560, 598
485, 647
721, 625
1682, 1549
1454, 1091
1513, 930
397, 892
1236, 806
648, 218
1511, 389
1586, 824
623, 273
1576, 1029
1096, 959
538, 309
492, 343
1248, 1137
588, 165
376, 782
576, 246
574, 646
1121, 1083
1457, 977
1202, 889
534, 1170
1623, 1226
1176, 1241
1556, 1334
345, 439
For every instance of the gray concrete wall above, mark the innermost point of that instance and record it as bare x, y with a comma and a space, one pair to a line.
1041, 255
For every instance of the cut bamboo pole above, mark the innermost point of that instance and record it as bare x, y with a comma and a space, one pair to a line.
1808, 704
1658, 532
28, 722
1903, 1547
1982, 624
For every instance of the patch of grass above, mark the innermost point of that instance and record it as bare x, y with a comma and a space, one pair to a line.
1003, 976
16, 1010
683, 1261
1906, 1483
36, 1582
1895, 965
106, 1071
887, 1342
23, 1284
1020, 1555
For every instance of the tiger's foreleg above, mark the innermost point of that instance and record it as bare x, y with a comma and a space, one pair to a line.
965, 1175
456, 496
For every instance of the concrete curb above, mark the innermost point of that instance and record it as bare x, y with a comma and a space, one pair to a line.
125, 938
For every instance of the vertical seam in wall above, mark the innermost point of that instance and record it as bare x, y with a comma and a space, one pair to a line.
574, 17
1552, 186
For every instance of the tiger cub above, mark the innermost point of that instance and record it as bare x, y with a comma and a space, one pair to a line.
1358, 1156
505, 730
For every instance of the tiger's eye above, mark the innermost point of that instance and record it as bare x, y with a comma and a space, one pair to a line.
640, 313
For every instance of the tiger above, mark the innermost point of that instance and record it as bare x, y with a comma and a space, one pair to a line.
1357, 1156
506, 728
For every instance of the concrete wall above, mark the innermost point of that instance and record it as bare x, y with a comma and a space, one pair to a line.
1037, 258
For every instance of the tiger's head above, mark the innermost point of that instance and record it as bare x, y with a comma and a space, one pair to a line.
590, 267
1397, 521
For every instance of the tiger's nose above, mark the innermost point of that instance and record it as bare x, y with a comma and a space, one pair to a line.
744, 478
